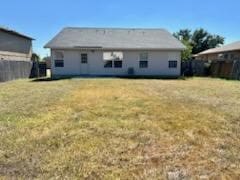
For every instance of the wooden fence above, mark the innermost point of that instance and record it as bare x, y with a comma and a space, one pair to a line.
217, 68
39, 69
10, 70
225, 69
194, 68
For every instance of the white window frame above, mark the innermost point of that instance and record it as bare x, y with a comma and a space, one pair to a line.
112, 56
141, 66
84, 60
170, 65
115, 64
106, 62
58, 58
143, 57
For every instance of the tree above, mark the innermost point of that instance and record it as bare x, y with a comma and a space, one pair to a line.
46, 58
202, 40
198, 41
183, 34
35, 57
187, 53
215, 41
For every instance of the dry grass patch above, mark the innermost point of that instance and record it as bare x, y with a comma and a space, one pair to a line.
115, 128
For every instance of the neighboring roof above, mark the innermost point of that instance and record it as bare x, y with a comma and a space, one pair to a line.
230, 47
114, 38
15, 33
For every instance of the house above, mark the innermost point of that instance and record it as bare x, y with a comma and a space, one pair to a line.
15, 55
227, 52
15, 46
115, 52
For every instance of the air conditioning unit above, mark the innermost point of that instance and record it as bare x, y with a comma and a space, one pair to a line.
131, 71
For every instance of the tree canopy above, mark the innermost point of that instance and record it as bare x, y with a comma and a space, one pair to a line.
197, 41
35, 57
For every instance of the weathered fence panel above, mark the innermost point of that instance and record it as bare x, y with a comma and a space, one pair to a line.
225, 69
42, 69
10, 70
198, 67
39, 69
236, 70
194, 68
218, 68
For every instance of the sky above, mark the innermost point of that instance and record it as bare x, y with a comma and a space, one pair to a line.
43, 19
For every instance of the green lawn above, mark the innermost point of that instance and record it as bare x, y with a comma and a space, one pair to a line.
120, 128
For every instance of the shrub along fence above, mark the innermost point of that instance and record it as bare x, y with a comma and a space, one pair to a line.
10, 70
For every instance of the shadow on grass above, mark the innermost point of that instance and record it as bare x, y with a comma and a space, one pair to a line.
153, 77
49, 79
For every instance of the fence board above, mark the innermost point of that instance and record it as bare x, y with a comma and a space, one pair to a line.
10, 70
226, 69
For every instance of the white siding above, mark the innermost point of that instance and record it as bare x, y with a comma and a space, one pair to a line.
157, 63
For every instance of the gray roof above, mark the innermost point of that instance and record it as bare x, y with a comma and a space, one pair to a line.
15, 33
114, 38
229, 47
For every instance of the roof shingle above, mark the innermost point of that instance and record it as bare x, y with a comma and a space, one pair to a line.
115, 38
229, 47
15, 33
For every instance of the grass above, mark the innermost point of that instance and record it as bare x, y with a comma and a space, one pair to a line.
120, 128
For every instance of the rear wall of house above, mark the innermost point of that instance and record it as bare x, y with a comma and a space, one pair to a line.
158, 63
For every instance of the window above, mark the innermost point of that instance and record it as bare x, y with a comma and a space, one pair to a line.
118, 64
108, 64
113, 59
143, 64
59, 55
144, 56
59, 63
84, 58
115, 55
225, 56
172, 64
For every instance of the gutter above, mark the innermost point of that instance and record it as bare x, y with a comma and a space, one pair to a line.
117, 48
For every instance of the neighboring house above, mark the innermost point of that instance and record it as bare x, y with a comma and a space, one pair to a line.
226, 52
15, 46
15, 55
115, 52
